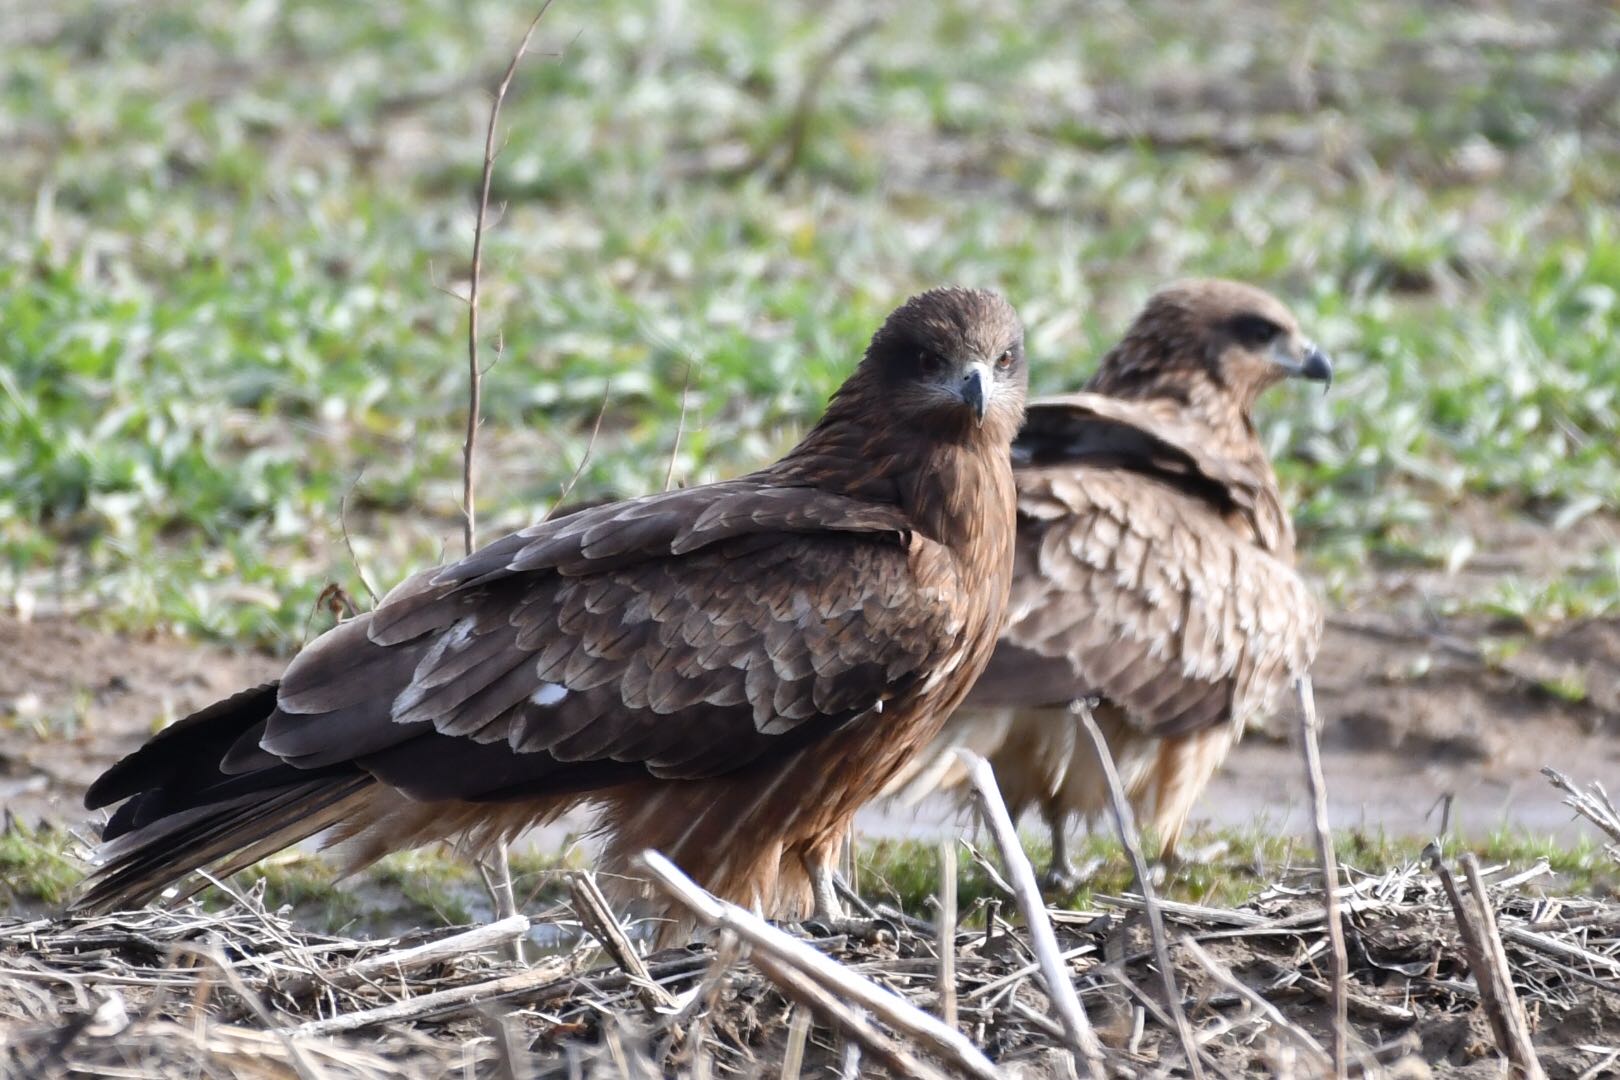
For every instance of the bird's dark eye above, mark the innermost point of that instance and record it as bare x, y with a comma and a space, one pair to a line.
1254, 331
1004, 362
929, 362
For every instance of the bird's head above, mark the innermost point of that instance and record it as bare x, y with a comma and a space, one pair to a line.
1241, 339
949, 363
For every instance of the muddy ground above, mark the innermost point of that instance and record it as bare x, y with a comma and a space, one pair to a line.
1416, 705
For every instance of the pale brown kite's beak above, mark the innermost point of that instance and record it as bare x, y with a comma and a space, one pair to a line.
1308, 363
1317, 367
976, 388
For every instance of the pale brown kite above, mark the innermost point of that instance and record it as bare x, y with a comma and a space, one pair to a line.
1154, 571
726, 672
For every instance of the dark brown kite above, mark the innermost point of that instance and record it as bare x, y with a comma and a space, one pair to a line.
1154, 571
725, 672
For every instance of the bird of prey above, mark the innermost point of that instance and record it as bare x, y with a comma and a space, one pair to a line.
725, 672
1154, 572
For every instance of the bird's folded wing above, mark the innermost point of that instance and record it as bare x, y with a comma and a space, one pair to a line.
681, 636
1094, 430
1127, 588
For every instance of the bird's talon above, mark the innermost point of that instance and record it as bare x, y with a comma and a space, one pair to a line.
865, 931
1059, 881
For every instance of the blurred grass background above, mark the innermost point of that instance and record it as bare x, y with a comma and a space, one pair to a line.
232, 235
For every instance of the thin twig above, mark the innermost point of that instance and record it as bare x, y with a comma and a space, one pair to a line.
1594, 805
1339, 973
343, 524
475, 374
947, 932
1081, 1040
1252, 996
501, 888
1125, 821
680, 429
585, 458
593, 911
768, 942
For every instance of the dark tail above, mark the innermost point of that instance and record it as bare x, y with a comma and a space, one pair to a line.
185, 811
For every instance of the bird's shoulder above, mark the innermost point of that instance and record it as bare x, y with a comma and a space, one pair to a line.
1178, 466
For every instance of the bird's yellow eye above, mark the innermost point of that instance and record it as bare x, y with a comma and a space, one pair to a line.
1004, 361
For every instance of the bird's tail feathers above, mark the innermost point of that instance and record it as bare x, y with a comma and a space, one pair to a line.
221, 838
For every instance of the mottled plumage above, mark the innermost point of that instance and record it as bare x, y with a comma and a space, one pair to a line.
1154, 570
726, 672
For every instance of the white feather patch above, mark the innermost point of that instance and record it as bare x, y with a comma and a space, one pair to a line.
549, 694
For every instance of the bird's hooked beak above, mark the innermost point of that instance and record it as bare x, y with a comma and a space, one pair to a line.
976, 387
1311, 363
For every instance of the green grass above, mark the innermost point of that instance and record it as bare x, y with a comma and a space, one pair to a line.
37, 867
431, 886
1238, 864
228, 232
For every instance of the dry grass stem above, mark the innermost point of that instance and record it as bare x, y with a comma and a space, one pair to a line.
1593, 804
584, 458
1081, 1039
1125, 823
1339, 969
947, 932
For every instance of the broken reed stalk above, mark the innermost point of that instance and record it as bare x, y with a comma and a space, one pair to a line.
847, 1021
593, 911
400, 961
798, 1035
776, 951
1339, 974
1078, 1034
455, 999
1125, 822
947, 932
475, 374
1482, 948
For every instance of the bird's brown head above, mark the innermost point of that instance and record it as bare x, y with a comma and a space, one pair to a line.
948, 364
1210, 336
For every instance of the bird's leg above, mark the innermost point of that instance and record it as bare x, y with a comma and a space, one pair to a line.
830, 916
1060, 877
824, 889
495, 866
